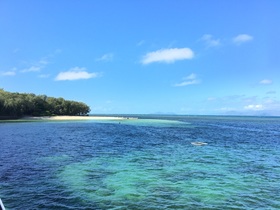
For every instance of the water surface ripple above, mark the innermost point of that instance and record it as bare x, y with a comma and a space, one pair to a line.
142, 164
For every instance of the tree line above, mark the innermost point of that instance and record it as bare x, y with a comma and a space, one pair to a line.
22, 104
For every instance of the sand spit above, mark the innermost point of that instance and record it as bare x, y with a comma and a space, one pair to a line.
70, 118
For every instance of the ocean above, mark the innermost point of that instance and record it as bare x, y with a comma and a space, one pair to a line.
145, 163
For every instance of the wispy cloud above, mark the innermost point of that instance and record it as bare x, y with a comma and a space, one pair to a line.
189, 80
226, 109
272, 104
242, 38
8, 73
106, 57
16, 50
168, 55
36, 66
246, 105
141, 43
44, 76
254, 107
211, 99
265, 82
76, 73
271, 92
32, 69
210, 41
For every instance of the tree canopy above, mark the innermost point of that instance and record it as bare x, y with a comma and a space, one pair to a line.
20, 104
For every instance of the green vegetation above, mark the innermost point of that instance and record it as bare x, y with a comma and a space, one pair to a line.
15, 105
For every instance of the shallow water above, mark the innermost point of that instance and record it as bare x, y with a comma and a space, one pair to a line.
142, 164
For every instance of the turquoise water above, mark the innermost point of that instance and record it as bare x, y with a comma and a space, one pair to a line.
142, 164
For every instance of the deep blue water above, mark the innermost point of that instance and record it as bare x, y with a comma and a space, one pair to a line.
142, 164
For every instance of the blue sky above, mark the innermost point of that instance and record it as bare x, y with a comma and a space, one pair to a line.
143, 57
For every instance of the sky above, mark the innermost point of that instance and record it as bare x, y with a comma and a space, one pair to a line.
188, 57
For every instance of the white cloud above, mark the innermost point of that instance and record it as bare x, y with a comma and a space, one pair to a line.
189, 80
75, 73
168, 55
8, 73
254, 107
209, 41
242, 38
106, 57
266, 82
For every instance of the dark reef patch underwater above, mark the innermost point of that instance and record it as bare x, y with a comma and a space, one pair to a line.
142, 164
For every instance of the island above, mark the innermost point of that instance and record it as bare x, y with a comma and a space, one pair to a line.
18, 105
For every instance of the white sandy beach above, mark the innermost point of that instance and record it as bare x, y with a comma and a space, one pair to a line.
57, 118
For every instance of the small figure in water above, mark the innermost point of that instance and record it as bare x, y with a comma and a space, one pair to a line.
198, 143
